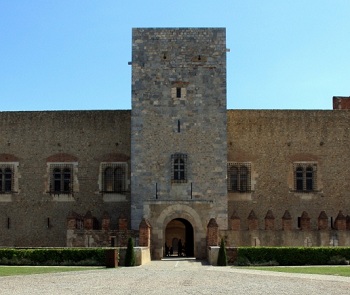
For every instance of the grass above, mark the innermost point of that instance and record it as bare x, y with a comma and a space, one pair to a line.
321, 270
29, 270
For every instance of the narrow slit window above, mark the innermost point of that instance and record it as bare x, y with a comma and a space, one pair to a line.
178, 92
178, 126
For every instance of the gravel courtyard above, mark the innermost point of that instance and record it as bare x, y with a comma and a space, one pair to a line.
174, 277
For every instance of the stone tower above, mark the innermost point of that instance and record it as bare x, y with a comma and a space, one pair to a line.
178, 141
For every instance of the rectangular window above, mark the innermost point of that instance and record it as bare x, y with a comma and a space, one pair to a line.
239, 177
305, 176
114, 177
178, 92
7, 178
61, 178
179, 168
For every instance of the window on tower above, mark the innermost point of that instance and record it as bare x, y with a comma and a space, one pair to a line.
178, 92
179, 168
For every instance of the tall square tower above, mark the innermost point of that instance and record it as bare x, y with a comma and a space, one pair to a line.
178, 132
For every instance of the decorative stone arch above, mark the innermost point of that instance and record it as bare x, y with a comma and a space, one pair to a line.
179, 211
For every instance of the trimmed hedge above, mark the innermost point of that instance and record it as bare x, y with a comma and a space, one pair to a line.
53, 256
291, 255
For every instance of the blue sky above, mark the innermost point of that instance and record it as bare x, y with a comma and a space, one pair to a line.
73, 55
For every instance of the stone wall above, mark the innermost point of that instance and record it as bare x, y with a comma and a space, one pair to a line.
272, 141
31, 216
179, 107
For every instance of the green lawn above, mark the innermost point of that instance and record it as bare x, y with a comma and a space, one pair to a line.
322, 270
29, 270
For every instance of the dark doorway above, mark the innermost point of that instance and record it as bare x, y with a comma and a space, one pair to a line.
176, 230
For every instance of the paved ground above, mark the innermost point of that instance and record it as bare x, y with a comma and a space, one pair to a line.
174, 277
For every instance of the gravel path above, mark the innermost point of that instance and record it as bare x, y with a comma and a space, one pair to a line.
174, 277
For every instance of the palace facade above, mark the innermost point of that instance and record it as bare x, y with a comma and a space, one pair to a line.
178, 165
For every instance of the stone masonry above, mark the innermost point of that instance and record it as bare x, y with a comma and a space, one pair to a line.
178, 89
176, 148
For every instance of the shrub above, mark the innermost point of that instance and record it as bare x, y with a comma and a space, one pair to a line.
242, 261
292, 255
338, 260
52, 256
130, 253
222, 257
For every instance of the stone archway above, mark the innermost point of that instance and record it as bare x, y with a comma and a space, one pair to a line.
176, 230
187, 216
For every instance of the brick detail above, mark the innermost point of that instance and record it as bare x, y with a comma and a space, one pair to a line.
71, 220
305, 221
62, 157
340, 221
122, 222
106, 221
347, 222
269, 221
212, 233
115, 157
144, 233
8, 158
88, 221
74, 220
235, 222
287, 221
322, 221
253, 223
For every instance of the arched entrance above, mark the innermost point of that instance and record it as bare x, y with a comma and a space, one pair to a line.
179, 232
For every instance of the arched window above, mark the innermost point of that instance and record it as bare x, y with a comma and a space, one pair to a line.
299, 178
309, 177
119, 179
66, 180
238, 177
61, 181
108, 179
57, 179
305, 176
233, 178
6, 178
243, 178
114, 177
179, 168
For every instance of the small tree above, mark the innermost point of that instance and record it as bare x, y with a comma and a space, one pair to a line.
222, 257
130, 253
